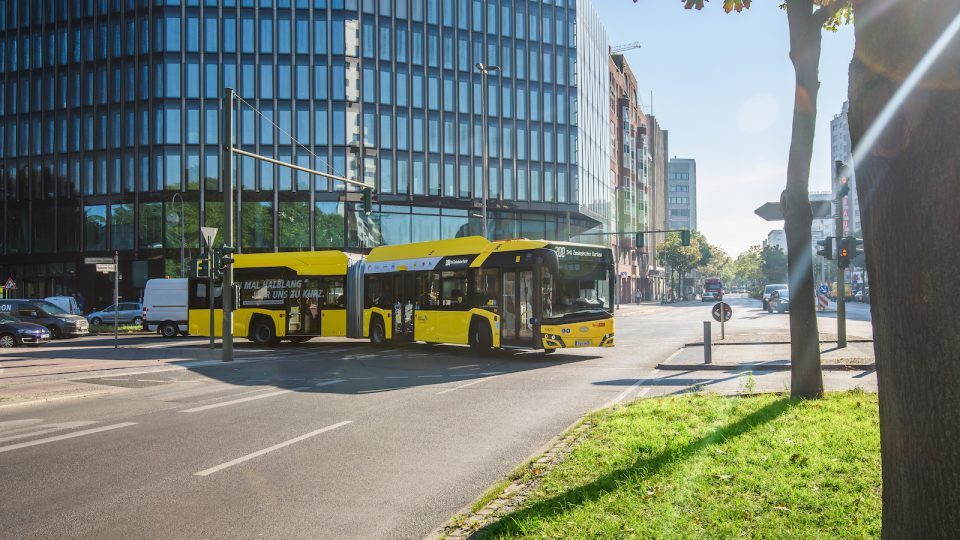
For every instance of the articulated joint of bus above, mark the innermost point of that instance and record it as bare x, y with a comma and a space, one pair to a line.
579, 334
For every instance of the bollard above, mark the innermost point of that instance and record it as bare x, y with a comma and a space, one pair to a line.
707, 344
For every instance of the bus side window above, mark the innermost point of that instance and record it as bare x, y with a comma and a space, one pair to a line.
333, 293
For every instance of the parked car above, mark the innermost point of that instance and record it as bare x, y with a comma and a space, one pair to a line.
14, 332
56, 320
129, 313
779, 300
767, 291
165, 307
66, 303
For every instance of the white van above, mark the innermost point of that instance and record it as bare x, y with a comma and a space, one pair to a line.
66, 303
165, 307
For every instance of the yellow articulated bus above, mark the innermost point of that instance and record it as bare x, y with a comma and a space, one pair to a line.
532, 294
289, 295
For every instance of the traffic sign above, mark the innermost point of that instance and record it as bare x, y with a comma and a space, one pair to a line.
11, 284
106, 268
98, 260
209, 234
623, 274
727, 311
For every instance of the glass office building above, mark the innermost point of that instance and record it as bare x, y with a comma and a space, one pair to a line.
110, 117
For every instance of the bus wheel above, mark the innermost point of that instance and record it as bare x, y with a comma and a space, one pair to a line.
378, 335
480, 338
262, 333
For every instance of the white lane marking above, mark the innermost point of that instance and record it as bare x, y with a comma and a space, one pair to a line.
626, 392
195, 392
258, 453
65, 436
428, 376
471, 383
466, 366
362, 378
244, 400
462, 374
397, 377
159, 380
43, 430
328, 383
492, 373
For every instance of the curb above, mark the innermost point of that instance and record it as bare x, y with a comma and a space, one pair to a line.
761, 367
716, 343
53, 399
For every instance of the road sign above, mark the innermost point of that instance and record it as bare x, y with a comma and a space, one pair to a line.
623, 274
98, 260
106, 268
772, 211
11, 284
727, 311
208, 234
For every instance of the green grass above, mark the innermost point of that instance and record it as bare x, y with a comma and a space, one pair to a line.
123, 329
707, 466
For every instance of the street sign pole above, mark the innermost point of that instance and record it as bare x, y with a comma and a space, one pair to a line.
116, 300
209, 233
227, 179
841, 282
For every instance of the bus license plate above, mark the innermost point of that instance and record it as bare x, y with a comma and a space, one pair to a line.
584, 343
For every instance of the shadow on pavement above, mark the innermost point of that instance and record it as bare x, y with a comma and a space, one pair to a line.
638, 472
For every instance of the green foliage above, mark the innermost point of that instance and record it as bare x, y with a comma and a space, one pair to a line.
719, 264
773, 265
677, 256
833, 13
707, 466
748, 268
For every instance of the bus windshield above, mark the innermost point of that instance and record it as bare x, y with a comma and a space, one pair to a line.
579, 288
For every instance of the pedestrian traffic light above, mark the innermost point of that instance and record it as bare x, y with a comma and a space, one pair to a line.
843, 179
826, 248
639, 240
685, 237
367, 200
226, 257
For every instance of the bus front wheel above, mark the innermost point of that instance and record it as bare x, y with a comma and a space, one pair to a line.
263, 333
481, 340
378, 334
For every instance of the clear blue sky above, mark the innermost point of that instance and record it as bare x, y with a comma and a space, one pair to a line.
723, 87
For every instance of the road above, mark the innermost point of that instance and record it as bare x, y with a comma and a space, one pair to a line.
320, 440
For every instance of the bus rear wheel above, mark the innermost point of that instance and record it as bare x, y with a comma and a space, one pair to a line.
378, 334
263, 333
481, 339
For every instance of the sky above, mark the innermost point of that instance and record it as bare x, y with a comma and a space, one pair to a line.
722, 85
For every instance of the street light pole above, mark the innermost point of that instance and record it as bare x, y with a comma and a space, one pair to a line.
173, 200
484, 71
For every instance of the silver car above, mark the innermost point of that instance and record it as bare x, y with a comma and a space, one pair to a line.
129, 313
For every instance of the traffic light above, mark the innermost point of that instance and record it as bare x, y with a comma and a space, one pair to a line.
843, 179
848, 248
367, 200
826, 248
639, 240
225, 257
685, 237
203, 268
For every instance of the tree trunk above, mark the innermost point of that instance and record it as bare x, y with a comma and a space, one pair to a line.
908, 181
806, 379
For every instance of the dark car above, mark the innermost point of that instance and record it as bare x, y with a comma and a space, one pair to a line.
58, 322
14, 332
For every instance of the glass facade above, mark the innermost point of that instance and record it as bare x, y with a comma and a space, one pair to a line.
110, 107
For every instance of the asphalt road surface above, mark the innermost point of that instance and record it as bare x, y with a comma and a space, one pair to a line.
321, 440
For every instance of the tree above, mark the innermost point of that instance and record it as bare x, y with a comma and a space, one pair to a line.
747, 267
678, 257
908, 180
773, 264
719, 265
805, 20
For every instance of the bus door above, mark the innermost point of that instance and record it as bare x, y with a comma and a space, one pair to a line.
303, 308
517, 300
405, 298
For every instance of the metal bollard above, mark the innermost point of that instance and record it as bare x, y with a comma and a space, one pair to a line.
707, 344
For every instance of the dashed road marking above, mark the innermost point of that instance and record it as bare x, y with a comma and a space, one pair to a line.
258, 453
471, 383
244, 400
65, 436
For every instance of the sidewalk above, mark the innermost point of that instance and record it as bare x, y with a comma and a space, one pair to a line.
765, 354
